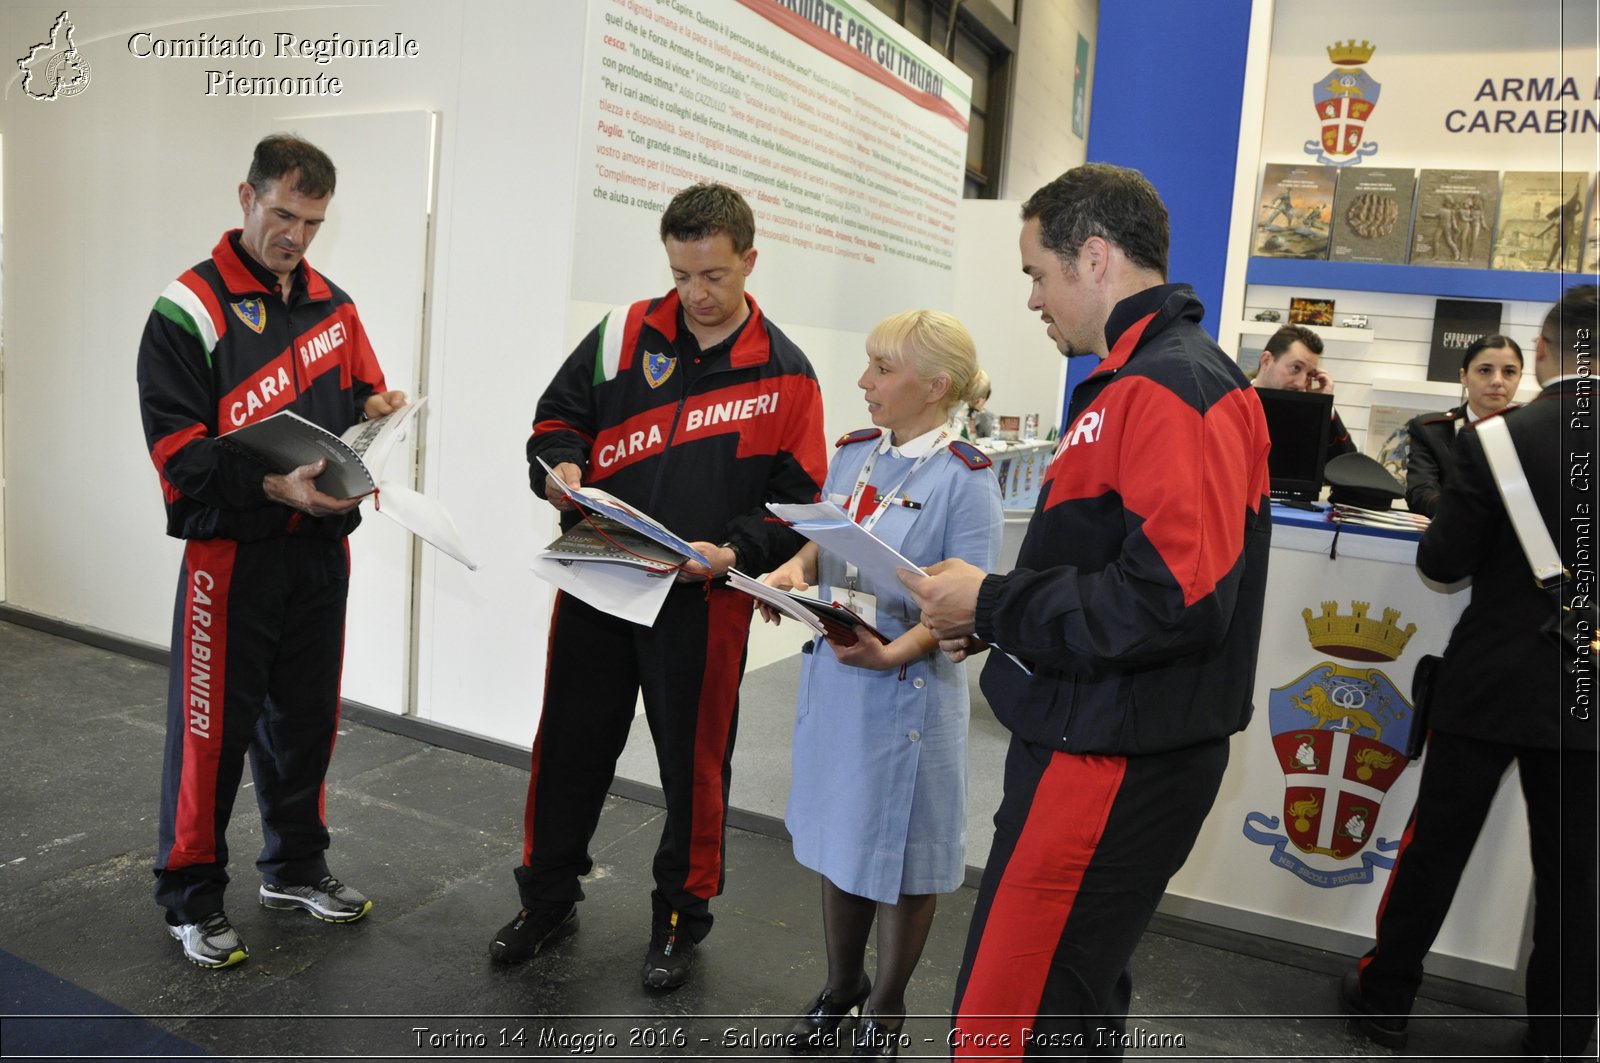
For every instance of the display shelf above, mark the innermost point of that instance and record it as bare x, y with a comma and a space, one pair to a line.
1252, 327
1412, 280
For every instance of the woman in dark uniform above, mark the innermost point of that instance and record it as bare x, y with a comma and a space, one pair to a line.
1490, 370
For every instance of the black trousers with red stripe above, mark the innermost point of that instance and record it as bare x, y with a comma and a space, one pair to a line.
257, 650
688, 666
1083, 849
1453, 800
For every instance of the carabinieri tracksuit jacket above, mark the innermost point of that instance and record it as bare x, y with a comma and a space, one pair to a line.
220, 351
642, 433
1138, 590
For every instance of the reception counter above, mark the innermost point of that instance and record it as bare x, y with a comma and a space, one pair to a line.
1301, 840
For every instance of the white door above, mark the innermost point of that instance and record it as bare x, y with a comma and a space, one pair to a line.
374, 245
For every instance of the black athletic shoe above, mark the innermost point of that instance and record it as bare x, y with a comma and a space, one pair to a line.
1386, 1030
669, 957
521, 939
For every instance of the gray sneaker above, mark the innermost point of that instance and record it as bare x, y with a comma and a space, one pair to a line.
329, 900
212, 942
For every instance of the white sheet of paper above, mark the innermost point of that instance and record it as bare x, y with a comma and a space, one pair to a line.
627, 592
832, 529
425, 518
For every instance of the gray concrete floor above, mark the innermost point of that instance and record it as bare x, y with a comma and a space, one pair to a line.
431, 835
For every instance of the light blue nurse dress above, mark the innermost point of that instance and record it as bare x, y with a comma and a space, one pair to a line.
878, 799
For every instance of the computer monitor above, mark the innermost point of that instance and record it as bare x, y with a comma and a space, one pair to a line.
1298, 423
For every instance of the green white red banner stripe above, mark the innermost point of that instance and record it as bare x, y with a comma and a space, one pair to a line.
609, 353
193, 309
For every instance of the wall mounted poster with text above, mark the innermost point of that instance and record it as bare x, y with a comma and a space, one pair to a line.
846, 134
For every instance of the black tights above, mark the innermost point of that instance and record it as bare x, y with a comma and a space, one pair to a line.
902, 932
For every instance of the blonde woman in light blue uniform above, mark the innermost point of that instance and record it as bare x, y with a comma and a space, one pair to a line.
878, 800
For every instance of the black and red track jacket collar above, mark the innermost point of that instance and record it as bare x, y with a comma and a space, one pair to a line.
1138, 591
222, 349
700, 449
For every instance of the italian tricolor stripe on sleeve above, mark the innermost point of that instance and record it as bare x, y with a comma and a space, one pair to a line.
189, 303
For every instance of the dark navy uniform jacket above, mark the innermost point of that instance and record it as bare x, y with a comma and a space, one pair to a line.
1502, 679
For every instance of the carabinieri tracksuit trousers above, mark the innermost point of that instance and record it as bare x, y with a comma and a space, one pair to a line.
257, 650
688, 666
1083, 849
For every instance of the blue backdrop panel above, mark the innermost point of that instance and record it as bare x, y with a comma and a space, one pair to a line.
1168, 92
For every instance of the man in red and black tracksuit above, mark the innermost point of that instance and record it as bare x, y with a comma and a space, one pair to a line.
258, 633
697, 409
1129, 628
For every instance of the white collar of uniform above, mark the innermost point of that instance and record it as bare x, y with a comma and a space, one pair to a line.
911, 448
1473, 418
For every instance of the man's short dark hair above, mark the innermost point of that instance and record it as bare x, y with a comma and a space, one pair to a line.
700, 211
282, 154
1096, 199
1280, 341
1575, 313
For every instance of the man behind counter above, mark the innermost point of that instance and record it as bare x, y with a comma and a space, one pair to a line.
1291, 361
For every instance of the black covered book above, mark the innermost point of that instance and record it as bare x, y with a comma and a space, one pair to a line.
1456, 324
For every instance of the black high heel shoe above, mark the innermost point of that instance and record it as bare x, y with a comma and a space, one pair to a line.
875, 1040
814, 1030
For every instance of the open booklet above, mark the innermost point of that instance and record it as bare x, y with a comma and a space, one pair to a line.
356, 467
832, 529
616, 559
604, 504
834, 622
597, 538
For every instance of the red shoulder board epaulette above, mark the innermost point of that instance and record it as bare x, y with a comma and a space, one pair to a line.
970, 456
860, 435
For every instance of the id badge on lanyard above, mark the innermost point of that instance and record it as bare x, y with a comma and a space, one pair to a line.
864, 604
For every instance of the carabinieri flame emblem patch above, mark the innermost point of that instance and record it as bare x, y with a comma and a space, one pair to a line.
657, 368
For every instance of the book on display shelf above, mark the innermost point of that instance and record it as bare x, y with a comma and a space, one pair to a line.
1540, 221
1457, 324
1304, 310
1372, 216
1591, 231
1455, 217
1295, 211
